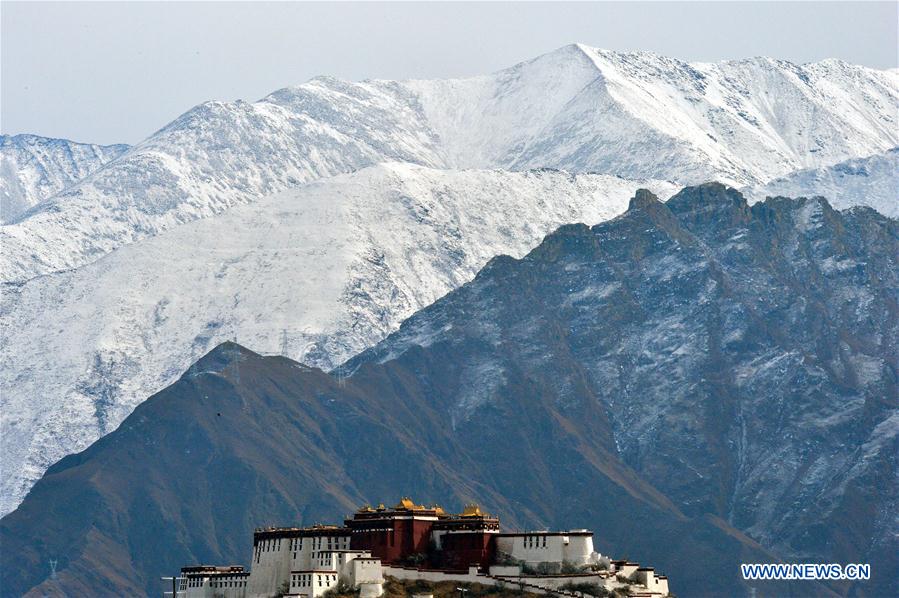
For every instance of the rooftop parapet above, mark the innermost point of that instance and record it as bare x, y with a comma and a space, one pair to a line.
267, 533
214, 570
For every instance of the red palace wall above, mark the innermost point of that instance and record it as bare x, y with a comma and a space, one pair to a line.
402, 538
394, 535
463, 549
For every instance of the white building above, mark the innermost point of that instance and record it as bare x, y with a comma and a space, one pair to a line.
533, 548
205, 581
292, 561
278, 551
645, 576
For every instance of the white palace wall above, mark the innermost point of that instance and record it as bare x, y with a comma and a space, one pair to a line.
549, 547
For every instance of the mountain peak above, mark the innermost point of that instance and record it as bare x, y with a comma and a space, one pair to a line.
564, 57
710, 196
583, 50
642, 200
220, 358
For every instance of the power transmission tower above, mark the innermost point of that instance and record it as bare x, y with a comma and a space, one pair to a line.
284, 341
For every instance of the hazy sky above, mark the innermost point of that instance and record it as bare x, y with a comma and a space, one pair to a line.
116, 72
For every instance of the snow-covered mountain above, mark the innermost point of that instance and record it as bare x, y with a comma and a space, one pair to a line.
213, 227
33, 168
637, 115
317, 273
871, 181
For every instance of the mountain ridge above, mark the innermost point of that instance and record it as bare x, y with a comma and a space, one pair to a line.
34, 168
874, 178
718, 125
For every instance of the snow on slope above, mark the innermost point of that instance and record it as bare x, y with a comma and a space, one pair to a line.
213, 157
317, 273
871, 181
33, 168
636, 115
645, 115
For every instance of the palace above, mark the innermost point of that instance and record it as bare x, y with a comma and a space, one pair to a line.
415, 542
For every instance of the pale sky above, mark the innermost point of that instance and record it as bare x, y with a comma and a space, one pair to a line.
116, 72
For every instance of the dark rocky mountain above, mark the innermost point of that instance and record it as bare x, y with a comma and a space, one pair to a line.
745, 357
243, 440
702, 382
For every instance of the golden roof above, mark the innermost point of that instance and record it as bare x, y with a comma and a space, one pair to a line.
407, 503
472, 510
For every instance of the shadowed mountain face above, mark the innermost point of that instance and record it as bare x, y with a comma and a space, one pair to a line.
243, 440
745, 357
667, 378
